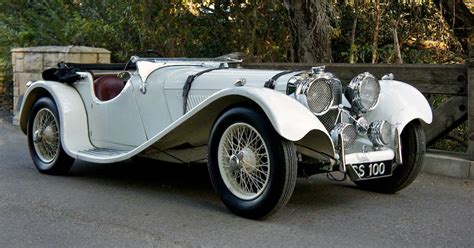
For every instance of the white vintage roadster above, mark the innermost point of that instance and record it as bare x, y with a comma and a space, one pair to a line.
257, 129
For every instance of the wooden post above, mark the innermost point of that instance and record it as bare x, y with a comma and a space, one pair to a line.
470, 96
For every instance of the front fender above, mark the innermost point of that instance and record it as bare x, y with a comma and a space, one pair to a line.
289, 118
72, 114
400, 103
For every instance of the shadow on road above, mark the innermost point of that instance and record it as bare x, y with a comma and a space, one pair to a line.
188, 183
191, 183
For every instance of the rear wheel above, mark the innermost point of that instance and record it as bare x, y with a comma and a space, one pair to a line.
413, 152
252, 168
44, 139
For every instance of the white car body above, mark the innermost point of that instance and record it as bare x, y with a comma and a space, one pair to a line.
132, 121
150, 118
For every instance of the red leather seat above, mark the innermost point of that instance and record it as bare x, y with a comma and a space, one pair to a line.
107, 87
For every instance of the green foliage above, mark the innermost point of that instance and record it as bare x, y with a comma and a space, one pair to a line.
201, 28
423, 34
175, 28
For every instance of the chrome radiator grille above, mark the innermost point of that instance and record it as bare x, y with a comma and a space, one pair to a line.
329, 119
319, 96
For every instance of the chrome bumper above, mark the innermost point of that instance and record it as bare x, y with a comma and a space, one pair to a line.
367, 157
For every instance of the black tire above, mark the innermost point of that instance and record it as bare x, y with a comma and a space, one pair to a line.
60, 162
281, 172
413, 153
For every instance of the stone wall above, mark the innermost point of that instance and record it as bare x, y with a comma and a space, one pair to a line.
28, 64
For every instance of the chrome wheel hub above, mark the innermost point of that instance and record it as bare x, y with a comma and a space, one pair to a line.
234, 162
37, 136
244, 159
48, 134
249, 159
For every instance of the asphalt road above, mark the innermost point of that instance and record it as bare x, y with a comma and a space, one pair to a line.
161, 205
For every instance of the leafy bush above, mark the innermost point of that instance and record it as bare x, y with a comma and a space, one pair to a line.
197, 28
201, 28
170, 27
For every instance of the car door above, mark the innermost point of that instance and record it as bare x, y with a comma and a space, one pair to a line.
151, 102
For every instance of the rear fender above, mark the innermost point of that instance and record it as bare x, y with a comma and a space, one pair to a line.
72, 114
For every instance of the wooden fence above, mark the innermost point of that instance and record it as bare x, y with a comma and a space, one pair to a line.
455, 81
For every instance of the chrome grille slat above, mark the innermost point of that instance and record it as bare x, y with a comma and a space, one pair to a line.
337, 91
329, 119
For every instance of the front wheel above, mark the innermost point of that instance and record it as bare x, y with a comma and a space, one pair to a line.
413, 152
44, 139
251, 167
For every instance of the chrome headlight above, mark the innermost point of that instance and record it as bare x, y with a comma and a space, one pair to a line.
316, 94
349, 134
363, 92
380, 132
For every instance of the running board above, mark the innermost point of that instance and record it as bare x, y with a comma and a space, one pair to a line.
101, 155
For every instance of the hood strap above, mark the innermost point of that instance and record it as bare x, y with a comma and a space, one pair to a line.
271, 82
189, 82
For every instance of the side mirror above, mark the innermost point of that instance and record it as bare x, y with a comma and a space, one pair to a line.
124, 76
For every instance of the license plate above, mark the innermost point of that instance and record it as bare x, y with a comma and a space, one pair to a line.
370, 170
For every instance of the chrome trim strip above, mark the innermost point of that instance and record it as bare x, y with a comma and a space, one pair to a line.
342, 156
398, 147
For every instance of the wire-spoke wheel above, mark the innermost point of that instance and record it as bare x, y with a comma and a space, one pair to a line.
44, 138
243, 161
251, 167
46, 135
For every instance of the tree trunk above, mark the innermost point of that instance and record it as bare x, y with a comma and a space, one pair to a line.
310, 29
352, 57
458, 14
375, 42
252, 50
396, 43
